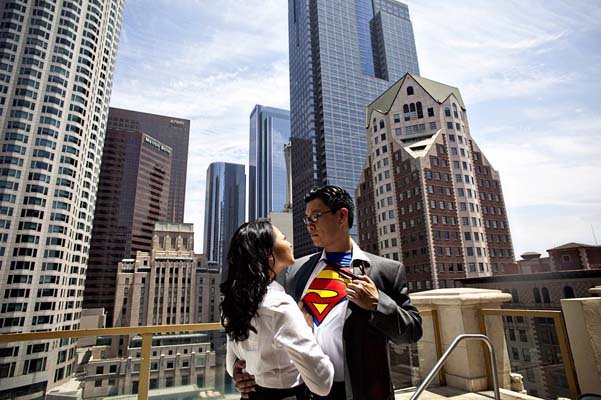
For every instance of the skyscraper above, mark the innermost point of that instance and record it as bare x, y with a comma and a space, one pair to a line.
269, 134
343, 54
172, 131
56, 70
428, 195
225, 209
133, 195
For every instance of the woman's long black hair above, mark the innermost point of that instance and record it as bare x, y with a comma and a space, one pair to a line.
249, 262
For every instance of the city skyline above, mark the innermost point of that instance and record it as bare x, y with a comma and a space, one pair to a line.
528, 72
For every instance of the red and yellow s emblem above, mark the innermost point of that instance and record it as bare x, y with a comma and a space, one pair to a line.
325, 292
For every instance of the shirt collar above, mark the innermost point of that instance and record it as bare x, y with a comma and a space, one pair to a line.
358, 254
275, 285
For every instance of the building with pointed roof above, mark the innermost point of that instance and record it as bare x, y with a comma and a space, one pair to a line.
428, 196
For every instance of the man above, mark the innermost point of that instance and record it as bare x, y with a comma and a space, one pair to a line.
357, 301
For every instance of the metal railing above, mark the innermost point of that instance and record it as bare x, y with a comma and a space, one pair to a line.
438, 366
564, 345
145, 331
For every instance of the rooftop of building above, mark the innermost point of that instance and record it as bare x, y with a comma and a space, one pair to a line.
438, 91
573, 245
175, 228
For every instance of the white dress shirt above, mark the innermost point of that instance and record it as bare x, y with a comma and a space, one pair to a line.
329, 332
283, 353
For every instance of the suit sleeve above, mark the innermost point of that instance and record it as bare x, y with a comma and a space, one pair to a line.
396, 317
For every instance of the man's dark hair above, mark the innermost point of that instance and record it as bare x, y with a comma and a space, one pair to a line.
334, 197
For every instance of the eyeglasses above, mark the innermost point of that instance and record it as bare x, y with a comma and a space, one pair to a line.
313, 218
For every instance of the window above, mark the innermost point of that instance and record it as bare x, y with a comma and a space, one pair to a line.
546, 298
515, 353
536, 294
409, 90
98, 383
430, 112
568, 292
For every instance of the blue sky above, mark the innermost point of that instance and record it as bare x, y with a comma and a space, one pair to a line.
529, 73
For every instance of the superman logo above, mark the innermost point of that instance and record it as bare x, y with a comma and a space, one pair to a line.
325, 292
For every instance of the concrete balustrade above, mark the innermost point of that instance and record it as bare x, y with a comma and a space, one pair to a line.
459, 312
583, 325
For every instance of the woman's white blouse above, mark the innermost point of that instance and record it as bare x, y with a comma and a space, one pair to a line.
284, 349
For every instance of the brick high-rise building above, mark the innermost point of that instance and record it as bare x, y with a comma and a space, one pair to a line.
56, 72
428, 196
133, 195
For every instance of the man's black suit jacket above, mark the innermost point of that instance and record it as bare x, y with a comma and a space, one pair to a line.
365, 333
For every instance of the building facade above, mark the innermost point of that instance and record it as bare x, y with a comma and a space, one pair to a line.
532, 342
133, 194
428, 196
56, 70
269, 135
173, 132
343, 54
176, 361
567, 257
225, 209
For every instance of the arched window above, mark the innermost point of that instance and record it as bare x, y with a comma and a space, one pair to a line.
406, 112
546, 298
420, 111
412, 107
409, 90
514, 294
568, 292
381, 123
455, 113
536, 294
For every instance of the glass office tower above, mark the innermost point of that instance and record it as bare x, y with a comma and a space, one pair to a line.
343, 55
225, 209
269, 134
56, 69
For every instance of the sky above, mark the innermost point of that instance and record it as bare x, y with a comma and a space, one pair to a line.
529, 73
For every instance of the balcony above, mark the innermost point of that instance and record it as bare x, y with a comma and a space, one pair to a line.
540, 353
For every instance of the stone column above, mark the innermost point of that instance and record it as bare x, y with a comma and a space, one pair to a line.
583, 323
459, 312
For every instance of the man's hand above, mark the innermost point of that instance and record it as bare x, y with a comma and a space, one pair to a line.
363, 292
244, 382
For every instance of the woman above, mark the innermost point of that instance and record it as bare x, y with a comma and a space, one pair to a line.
264, 325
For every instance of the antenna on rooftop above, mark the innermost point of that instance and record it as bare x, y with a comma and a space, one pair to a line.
594, 236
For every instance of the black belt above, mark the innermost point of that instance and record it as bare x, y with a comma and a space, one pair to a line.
262, 393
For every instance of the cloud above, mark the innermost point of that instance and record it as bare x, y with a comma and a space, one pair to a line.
212, 73
529, 72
